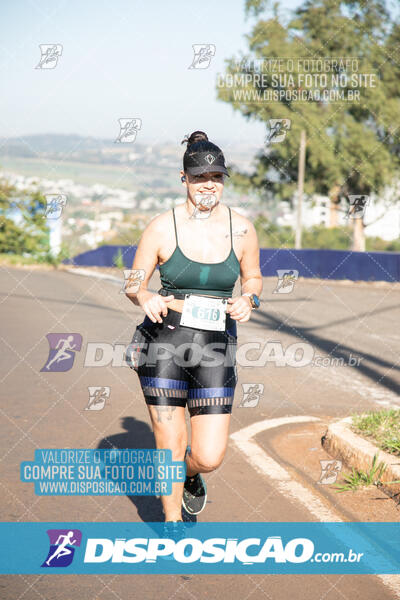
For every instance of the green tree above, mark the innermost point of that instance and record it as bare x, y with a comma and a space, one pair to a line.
337, 238
23, 228
127, 237
271, 235
352, 146
118, 260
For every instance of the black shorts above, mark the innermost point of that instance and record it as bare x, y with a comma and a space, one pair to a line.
179, 365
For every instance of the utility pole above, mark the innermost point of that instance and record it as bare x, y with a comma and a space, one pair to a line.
300, 187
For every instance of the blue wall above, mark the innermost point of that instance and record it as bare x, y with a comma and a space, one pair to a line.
333, 264
324, 264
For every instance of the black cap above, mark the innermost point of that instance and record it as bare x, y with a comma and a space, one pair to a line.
204, 157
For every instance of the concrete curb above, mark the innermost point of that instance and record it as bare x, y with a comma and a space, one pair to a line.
357, 452
95, 274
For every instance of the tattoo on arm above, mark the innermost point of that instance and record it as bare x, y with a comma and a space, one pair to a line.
237, 233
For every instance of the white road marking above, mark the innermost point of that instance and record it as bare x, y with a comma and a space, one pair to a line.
270, 468
266, 465
96, 274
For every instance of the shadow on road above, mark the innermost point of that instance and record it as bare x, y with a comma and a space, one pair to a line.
137, 435
335, 349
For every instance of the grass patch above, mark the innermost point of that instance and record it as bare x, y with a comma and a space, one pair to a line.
357, 479
16, 259
382, 426
20, 260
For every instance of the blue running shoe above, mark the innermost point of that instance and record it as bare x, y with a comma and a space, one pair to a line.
173, 530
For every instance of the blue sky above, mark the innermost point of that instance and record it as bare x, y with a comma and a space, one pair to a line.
121, 58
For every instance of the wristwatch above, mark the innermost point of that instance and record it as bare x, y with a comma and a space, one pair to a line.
254, 300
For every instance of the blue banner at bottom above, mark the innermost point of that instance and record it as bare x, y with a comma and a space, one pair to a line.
207, 548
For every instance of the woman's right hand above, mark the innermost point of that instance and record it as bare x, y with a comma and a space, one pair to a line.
154, 305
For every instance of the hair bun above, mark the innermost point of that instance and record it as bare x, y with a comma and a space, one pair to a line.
196, 136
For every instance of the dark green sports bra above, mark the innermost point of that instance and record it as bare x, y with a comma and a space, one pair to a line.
179, 275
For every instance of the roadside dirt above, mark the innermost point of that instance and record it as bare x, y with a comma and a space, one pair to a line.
298, 448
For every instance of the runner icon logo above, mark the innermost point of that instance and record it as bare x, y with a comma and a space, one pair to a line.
55, 204
330, 469
203, 54
62, 351
62, 547
357, 206
286, 280
128, 129
98, 395
133, 279
251, 394
205, 201
278, 129
49, 55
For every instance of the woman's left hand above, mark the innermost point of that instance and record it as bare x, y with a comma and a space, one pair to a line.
240, 308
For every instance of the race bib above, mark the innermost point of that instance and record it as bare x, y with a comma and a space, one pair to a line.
201, 312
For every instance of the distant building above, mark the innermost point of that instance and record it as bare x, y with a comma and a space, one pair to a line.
382, 217
55, 227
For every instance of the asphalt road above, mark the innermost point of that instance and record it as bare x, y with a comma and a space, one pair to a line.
45, 410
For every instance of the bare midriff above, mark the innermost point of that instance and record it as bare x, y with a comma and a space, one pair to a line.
176, 305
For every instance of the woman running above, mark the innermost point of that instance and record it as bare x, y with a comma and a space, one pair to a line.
201, 247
